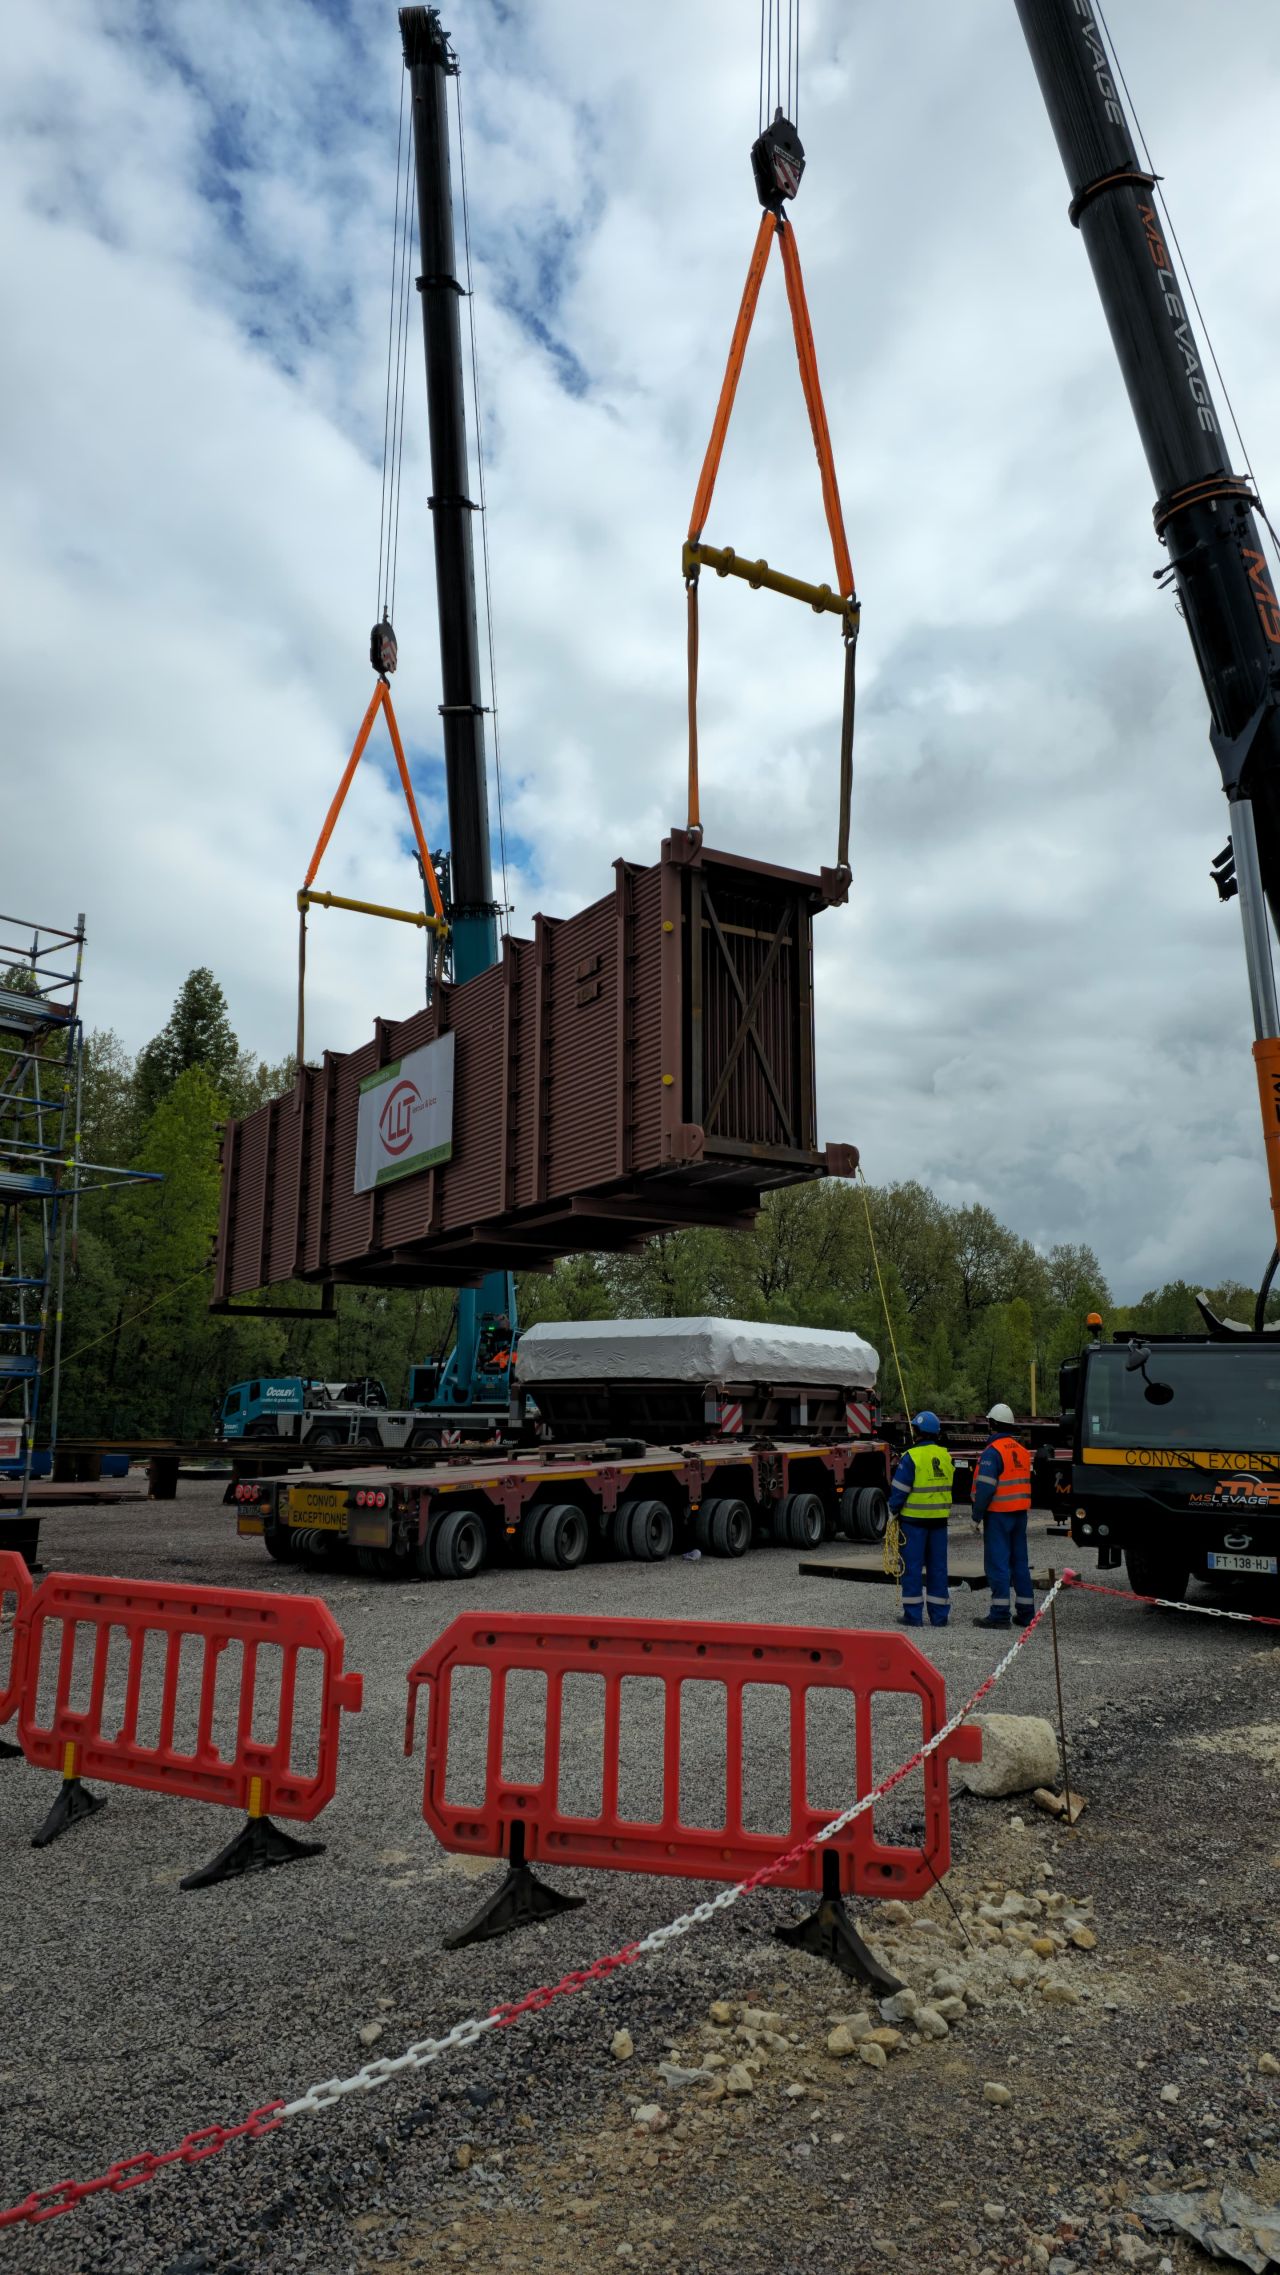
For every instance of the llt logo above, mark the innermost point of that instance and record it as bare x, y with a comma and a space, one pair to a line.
395, 1122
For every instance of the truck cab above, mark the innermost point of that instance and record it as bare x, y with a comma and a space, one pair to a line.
1175, 1458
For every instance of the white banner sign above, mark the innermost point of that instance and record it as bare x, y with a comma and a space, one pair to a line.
406, 1116
10, 1442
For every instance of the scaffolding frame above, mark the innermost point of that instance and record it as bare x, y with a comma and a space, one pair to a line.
42, 1176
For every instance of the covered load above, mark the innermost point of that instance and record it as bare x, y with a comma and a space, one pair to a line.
672, 1379
643, 1065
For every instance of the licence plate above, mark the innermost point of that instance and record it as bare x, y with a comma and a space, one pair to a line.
1220, 1561
250, 1525
317, 1505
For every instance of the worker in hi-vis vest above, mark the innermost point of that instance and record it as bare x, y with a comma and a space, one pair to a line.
920, 1497
1001, 1505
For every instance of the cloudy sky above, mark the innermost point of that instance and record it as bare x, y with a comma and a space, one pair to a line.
1033, 998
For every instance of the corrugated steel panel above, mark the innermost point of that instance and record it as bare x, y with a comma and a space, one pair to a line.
647, 1062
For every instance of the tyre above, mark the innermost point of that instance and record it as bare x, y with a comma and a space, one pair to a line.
1153, 1572
278, 1542
645, 1531
319, 1439
460, 1544
729, 1528
562, 1537
870, 1513
700, 1525
376, 1563
799, 1520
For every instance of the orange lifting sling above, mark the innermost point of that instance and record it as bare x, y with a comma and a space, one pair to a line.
436, 922
843, 601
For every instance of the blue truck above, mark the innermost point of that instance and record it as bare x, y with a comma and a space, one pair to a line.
459, 1399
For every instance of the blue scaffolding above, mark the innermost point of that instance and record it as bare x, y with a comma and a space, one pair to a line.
42, 1177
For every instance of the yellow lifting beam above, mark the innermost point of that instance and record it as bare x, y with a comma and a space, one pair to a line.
418, 916
726, 563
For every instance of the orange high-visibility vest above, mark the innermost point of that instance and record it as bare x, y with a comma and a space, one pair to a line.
1012, 1495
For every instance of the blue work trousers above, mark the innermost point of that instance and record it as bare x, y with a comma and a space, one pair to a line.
924, 1578
1005, 1540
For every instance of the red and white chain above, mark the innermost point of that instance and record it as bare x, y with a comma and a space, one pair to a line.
48, 2203
1166, 1603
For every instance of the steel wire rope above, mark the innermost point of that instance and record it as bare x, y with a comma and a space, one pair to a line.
892, 1556
402, 366
391, 318
760, 102
483, 504
1163, 202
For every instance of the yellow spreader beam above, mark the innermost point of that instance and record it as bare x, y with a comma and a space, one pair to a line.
726, 563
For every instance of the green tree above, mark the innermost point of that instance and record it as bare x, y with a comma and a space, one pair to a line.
198, 1034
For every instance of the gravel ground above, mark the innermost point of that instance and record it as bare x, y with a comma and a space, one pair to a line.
1120, 1983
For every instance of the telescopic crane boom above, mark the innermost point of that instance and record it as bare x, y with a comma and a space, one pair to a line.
429, 59
1204, 511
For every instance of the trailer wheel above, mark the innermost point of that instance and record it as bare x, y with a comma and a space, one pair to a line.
560, 1537
798, 1520
1151, 1574
869, 1512
278, 1542
376, 1563
728, 1527
319, 1439
647, 1532
460, 1544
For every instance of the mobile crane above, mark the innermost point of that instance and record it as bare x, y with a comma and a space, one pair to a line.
1175, 1455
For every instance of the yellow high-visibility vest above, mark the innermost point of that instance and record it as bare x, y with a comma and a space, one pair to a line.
932, 1471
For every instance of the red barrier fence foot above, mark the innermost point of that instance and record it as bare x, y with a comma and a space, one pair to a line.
74, 1803
257, 1846
829, 1933
519, 1902
9, 1752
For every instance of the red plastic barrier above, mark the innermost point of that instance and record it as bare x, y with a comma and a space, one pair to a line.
194, 1680
214, 1618
15, 1580
677, 1653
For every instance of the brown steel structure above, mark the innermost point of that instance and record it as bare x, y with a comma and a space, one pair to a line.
643, 1065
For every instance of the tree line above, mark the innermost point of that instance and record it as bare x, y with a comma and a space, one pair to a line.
973, 1311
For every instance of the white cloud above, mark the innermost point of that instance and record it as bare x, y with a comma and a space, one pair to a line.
1032, 998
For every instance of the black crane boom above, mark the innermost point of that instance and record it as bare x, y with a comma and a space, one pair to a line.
1204, 511
430, 63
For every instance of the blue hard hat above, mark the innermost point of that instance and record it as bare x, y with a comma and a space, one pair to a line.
928, 1422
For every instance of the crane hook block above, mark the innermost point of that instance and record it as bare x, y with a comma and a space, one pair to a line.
777, 161
383, 652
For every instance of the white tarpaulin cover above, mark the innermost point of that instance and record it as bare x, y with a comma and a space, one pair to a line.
694, 1350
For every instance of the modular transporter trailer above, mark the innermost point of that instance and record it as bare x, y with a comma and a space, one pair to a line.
558, 1505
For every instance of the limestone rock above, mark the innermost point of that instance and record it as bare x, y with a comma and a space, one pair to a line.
1268, 2066
951, 2009
1084, 1939
901, 2006
931, 2024
841, 2041
739, 2079
720, 2011
885, 2039
371, 2032
622, 2046
999, 2096
1019, 1752
1059, 1994
872, 2054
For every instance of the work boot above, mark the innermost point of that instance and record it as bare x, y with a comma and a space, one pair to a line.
990, 1622
903, 1621
1024, 1618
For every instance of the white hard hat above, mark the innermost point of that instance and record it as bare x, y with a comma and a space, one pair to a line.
1000, 1413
